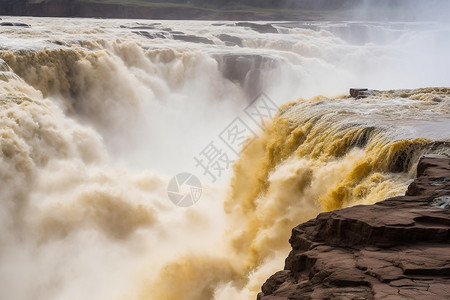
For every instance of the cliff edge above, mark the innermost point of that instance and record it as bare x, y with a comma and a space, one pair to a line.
395, 249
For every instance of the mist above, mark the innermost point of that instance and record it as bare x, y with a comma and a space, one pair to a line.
97, 117
401, 10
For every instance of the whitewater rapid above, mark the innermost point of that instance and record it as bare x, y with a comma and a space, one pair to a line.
98, 115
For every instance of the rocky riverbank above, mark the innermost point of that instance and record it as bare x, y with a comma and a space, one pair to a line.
304, 10
394, 249
157, 12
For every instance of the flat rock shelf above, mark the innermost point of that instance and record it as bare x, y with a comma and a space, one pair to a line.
395, 249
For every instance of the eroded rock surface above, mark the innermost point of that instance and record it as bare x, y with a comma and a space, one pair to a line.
396, 249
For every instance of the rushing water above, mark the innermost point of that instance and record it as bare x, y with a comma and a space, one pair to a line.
97, 116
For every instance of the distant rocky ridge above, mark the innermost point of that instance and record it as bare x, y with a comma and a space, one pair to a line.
305, 10
395, 249
168, 11
105, 10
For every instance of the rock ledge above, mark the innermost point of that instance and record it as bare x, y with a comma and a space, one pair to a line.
395, 249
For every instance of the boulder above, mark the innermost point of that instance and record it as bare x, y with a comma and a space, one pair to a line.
14, 24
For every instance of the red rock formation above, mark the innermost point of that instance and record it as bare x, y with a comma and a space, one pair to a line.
395, 249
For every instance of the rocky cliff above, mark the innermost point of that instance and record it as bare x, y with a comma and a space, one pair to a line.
396, 249
168, 11
304, 10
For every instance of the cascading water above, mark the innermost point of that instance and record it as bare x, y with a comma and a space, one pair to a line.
97, 116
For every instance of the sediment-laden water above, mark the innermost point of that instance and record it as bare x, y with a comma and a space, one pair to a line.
98, 115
